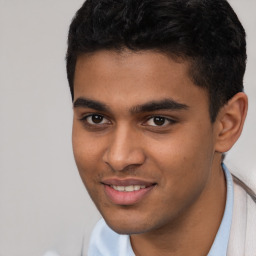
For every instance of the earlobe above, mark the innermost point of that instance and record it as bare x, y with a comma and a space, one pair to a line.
230, 122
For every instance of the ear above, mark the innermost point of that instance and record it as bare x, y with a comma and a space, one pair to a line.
230, 121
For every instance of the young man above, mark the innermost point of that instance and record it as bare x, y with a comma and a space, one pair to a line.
157, 90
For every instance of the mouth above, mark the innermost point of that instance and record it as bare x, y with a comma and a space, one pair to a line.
127, 192
130, 188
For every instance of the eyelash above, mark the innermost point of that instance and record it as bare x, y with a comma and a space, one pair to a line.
100, 125
165, 119
84, 119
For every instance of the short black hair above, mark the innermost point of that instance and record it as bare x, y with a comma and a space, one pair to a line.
207, 33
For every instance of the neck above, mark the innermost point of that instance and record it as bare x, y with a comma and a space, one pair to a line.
193, 232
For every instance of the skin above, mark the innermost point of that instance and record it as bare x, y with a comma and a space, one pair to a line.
181, 156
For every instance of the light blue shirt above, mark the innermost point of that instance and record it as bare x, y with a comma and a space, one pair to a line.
220, 244
105, 242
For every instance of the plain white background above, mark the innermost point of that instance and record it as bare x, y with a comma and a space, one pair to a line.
43, 204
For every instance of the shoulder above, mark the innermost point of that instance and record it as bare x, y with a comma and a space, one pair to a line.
243, 229
246, 197
247, 190
105, 242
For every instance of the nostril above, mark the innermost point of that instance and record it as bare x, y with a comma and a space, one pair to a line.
124, 160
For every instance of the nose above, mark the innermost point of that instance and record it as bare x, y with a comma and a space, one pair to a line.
124, 150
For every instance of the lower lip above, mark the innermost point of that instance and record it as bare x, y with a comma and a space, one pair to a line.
126, 198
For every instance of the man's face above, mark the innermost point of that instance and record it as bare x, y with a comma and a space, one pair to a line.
142, 138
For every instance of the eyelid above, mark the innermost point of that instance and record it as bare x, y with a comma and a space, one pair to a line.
86, 116
170, 121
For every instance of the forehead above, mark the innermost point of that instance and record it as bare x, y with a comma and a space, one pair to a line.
141, 64
128, 77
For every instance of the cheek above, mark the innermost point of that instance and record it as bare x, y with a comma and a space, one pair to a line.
86, 152
184, 158
182, 149
85, 145
87, 161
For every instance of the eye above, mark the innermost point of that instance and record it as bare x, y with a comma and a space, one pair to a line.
95, 119
159, 121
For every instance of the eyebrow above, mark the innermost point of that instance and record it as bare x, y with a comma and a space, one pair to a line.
88, 103
165, 104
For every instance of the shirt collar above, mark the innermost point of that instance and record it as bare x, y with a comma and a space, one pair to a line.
220, 244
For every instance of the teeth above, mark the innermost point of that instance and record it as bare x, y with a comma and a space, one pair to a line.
118, 188
136, 187
128, 188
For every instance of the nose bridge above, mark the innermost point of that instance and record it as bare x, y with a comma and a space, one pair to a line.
124, 148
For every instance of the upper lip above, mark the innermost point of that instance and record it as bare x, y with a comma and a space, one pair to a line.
126, 182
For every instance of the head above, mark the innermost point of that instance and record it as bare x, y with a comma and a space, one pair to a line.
207, 34
156, 86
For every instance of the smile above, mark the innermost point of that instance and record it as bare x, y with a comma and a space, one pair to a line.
128, 191
130, 188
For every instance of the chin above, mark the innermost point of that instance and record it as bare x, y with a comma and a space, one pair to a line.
128, 227
126, 230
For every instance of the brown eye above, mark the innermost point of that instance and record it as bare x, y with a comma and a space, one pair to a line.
96, 119
159, 121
